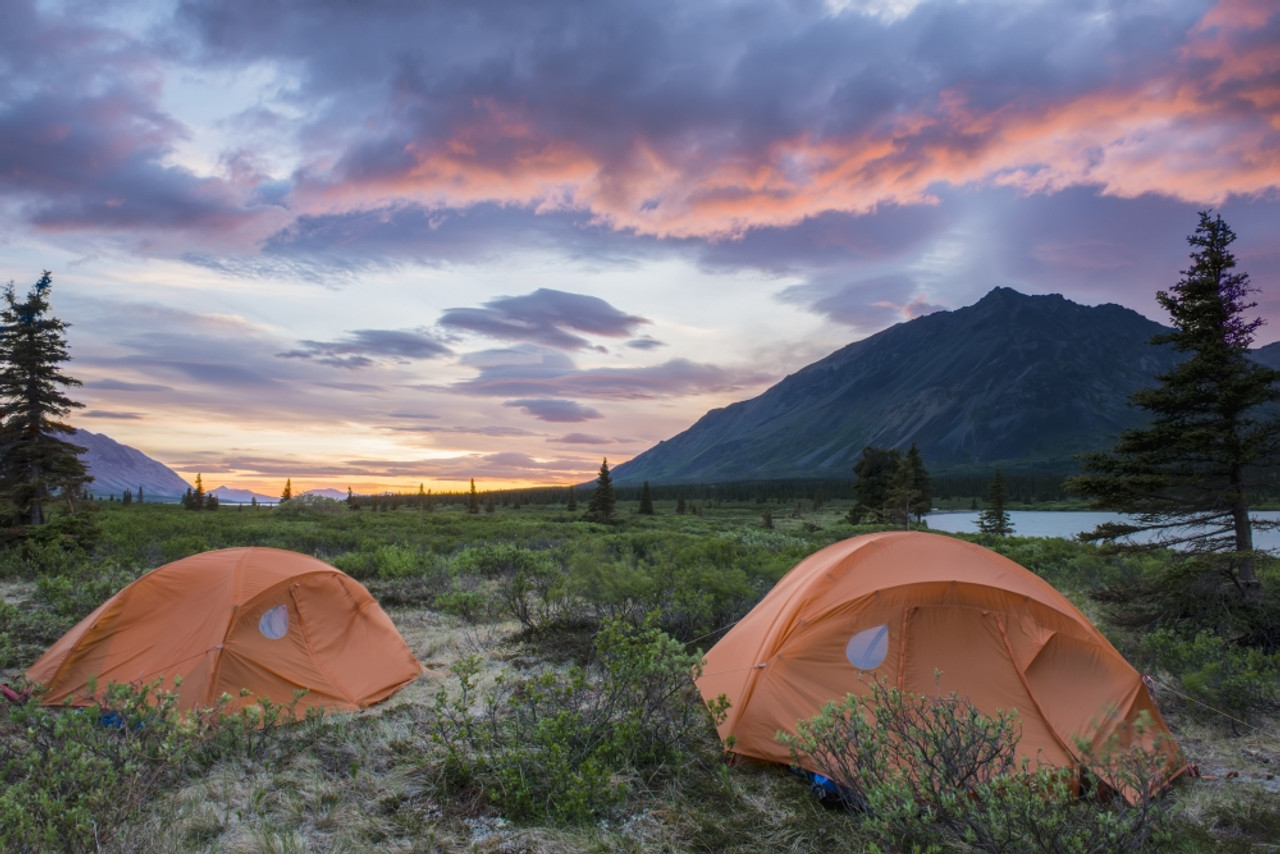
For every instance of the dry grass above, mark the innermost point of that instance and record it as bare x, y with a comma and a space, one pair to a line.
369, 783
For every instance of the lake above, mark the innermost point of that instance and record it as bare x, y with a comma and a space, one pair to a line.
1068, 523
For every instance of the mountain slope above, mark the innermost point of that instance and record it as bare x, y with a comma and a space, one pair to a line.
116, 467
1269, 356
1025, 380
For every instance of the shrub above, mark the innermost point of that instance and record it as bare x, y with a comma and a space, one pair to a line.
558, 745
926, 771
71, 776
528, 585
1219, 678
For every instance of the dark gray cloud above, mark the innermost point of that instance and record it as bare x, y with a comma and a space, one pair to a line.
363, 348
645, 343
559, 411
544, 317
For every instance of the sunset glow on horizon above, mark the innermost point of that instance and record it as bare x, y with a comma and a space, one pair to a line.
393, 243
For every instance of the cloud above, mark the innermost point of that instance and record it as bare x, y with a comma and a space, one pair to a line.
363, 348
120, 385
555, 410
544, 318
428, 132
645, 343
492, 431
774, 113
118, 416
581, 439
555, 377
860, 304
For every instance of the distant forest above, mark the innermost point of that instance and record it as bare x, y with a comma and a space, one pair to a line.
1021, 488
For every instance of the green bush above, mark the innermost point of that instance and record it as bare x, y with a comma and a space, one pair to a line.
932, 771
528, 585
559, 745
70, 776
1220, 680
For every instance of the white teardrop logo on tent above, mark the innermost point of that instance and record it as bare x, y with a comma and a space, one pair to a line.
274, 623
867, 649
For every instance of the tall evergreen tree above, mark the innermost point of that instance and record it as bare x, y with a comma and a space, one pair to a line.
34, 462
1189, 478
139, 493
874, 471
994, 518
646, 500
903, 495
473, 498
923, 484
287, 495
603, 505
198, 495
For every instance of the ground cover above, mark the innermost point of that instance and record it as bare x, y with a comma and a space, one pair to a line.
505, 609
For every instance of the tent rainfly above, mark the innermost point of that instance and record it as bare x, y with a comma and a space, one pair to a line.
902, 606
261, 620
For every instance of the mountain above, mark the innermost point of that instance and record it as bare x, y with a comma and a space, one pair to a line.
116, 467
335, 494
1269, 356
1028, 381
228, 495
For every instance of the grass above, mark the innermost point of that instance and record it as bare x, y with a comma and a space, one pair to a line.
375, 780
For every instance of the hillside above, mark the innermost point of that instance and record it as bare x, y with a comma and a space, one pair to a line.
1027, 381
116, 467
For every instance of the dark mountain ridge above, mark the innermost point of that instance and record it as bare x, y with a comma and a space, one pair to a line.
1026, 381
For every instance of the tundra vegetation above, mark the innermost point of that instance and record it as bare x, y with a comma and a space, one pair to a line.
559, 714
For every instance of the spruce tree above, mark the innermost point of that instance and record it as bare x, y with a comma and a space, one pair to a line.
603, 505
923, 484
198, 495
473, 498
1187, 480
646, 500
902, 495
994, 519
34, 462
287, 495
874, 470
139, 493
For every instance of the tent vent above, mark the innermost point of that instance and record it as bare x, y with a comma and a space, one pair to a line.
867, 649
274, 623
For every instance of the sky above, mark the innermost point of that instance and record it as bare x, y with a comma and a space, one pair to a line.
388, 243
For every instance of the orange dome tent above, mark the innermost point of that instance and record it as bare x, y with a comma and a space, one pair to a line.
266, 620
902, 606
